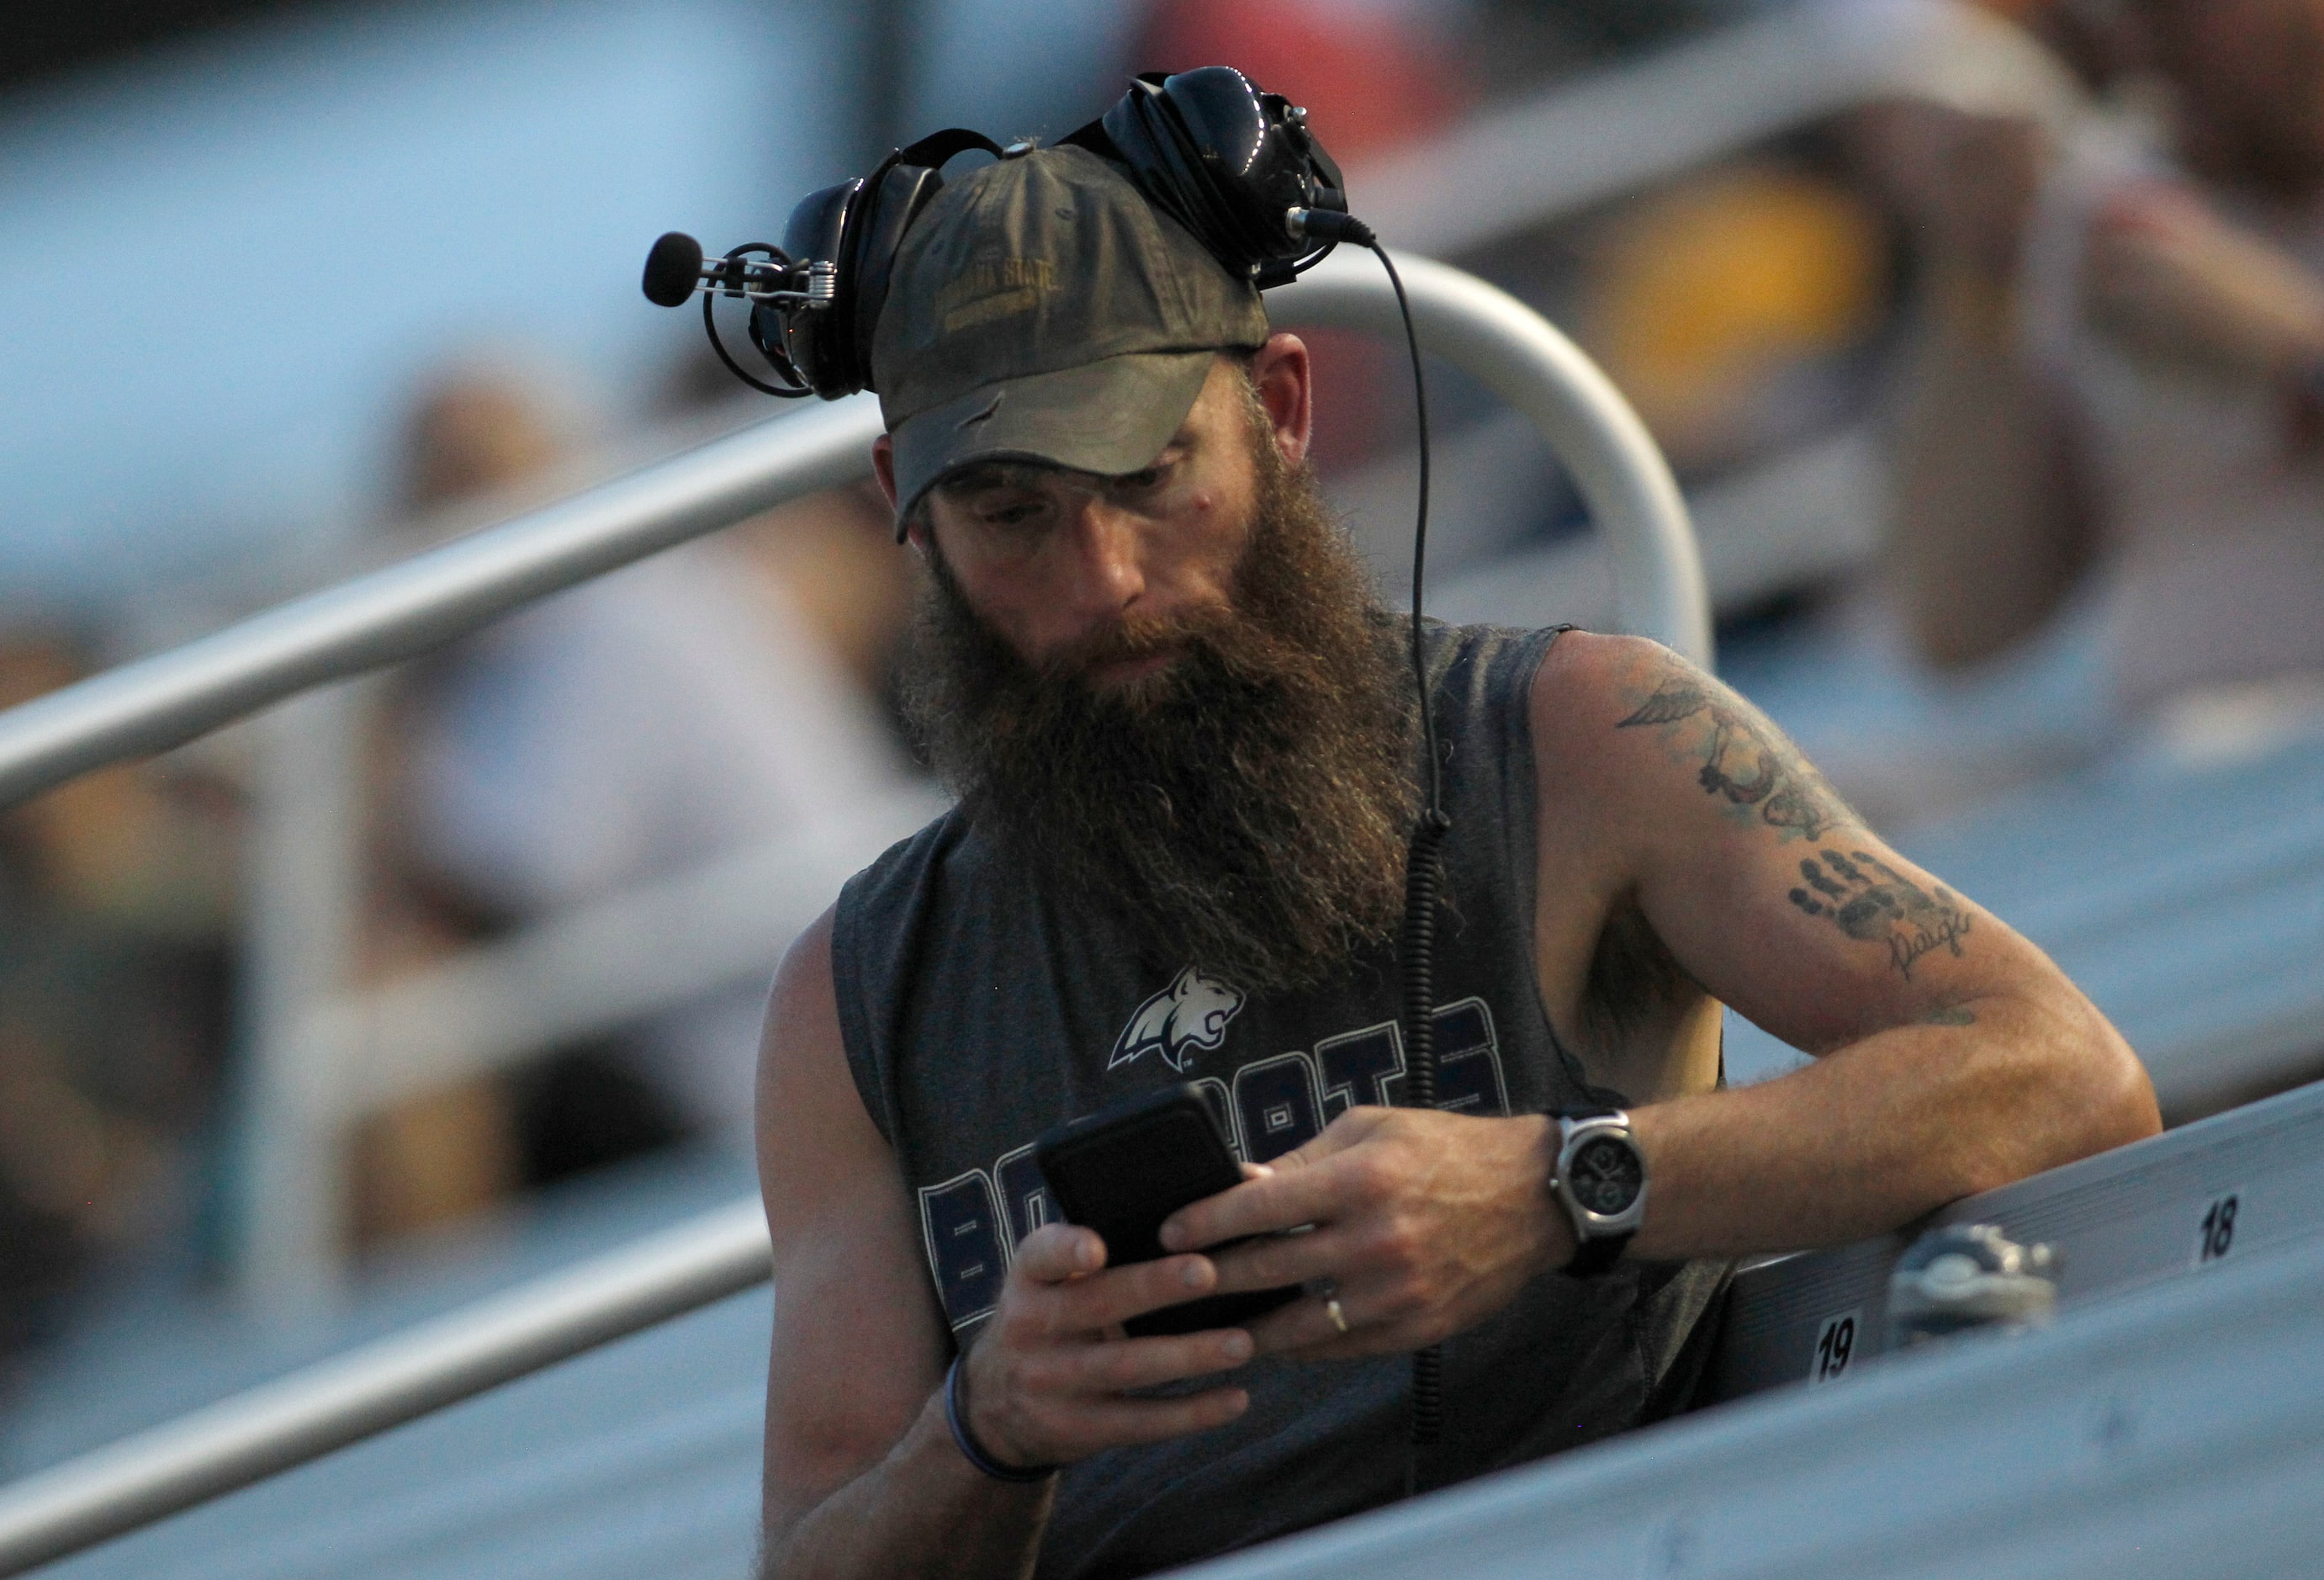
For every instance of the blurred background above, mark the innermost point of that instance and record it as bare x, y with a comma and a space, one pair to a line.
1987, 341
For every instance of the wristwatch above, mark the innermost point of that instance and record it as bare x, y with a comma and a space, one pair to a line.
1601, 1181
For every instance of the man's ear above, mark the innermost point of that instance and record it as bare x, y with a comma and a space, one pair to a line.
883, 466
883, 470
1280, 374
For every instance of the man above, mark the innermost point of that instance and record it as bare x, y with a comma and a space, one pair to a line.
1184, 739
2118, 393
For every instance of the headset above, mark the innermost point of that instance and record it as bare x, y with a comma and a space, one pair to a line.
1236, 166
1240, 169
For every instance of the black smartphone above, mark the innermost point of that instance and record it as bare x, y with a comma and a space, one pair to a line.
1124, 1169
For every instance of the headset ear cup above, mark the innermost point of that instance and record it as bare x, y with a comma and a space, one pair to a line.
844, 356
1256, 162
857, 227
1140, 124
1227, 162
822, 227
877, 237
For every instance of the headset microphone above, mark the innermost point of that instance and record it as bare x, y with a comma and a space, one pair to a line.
675, 270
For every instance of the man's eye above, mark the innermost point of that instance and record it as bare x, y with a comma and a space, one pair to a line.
1141, 481
1010, 515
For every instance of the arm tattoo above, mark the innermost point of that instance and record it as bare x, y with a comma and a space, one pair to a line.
1870, 900
1949, 1015
1744, 760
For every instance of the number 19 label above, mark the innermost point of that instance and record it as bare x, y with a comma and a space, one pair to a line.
1835, 1346
2217, 1235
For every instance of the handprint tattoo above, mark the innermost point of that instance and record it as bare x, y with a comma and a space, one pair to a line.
1744, 760
1868, 899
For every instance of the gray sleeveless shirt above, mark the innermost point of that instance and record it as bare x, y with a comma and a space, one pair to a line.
977, 1013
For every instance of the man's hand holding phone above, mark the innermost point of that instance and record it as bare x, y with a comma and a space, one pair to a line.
1095, 1308
1419, 1225
1049, 1379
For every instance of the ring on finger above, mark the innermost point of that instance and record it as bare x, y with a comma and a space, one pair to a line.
1339, 1316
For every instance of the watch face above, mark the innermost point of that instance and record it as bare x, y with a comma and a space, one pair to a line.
1605, 1177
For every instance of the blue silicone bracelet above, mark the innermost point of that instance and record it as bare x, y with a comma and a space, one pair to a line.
972, 1451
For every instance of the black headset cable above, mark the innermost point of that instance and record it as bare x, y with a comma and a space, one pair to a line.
1423, 872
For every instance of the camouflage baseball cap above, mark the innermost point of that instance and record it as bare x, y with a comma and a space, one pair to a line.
1042, 310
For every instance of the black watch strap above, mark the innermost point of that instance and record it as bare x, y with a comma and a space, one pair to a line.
1593, 1257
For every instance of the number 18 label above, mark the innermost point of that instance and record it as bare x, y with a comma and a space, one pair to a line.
2216, 1234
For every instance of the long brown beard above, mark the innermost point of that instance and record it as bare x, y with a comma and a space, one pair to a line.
1246, 810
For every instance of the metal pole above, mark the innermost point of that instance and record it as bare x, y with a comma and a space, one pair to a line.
298, 939
445, 593
610, 961
306, 1414
1627, 127
1641, 517
427, 600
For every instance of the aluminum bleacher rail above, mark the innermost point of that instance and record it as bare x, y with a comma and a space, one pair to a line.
298, 1087
2142, 1215
295, 1418
1629, 125
435, 597
2178, 1434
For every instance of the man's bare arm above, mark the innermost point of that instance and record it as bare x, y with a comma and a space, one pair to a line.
1954, 1056
863, 1478
1992, 527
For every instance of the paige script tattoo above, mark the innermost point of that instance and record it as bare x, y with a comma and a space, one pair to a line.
1868, 899
1745, 761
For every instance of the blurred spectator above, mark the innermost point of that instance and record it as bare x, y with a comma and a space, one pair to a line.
1372, 73
2087, 36
654, 721
479, 433
451, 1153
116, 905
1726, 307
2119, 384
1519, 42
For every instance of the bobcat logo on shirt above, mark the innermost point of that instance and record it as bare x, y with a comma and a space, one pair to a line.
1192, 1012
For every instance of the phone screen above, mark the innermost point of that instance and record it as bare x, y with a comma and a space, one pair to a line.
1124, 1170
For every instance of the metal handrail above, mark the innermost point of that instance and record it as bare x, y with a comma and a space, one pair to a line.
427, 600
304, 1416
1659, 589
1627, 126
605, 963
433, 597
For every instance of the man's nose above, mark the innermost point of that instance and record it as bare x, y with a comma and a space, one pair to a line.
1107, 570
